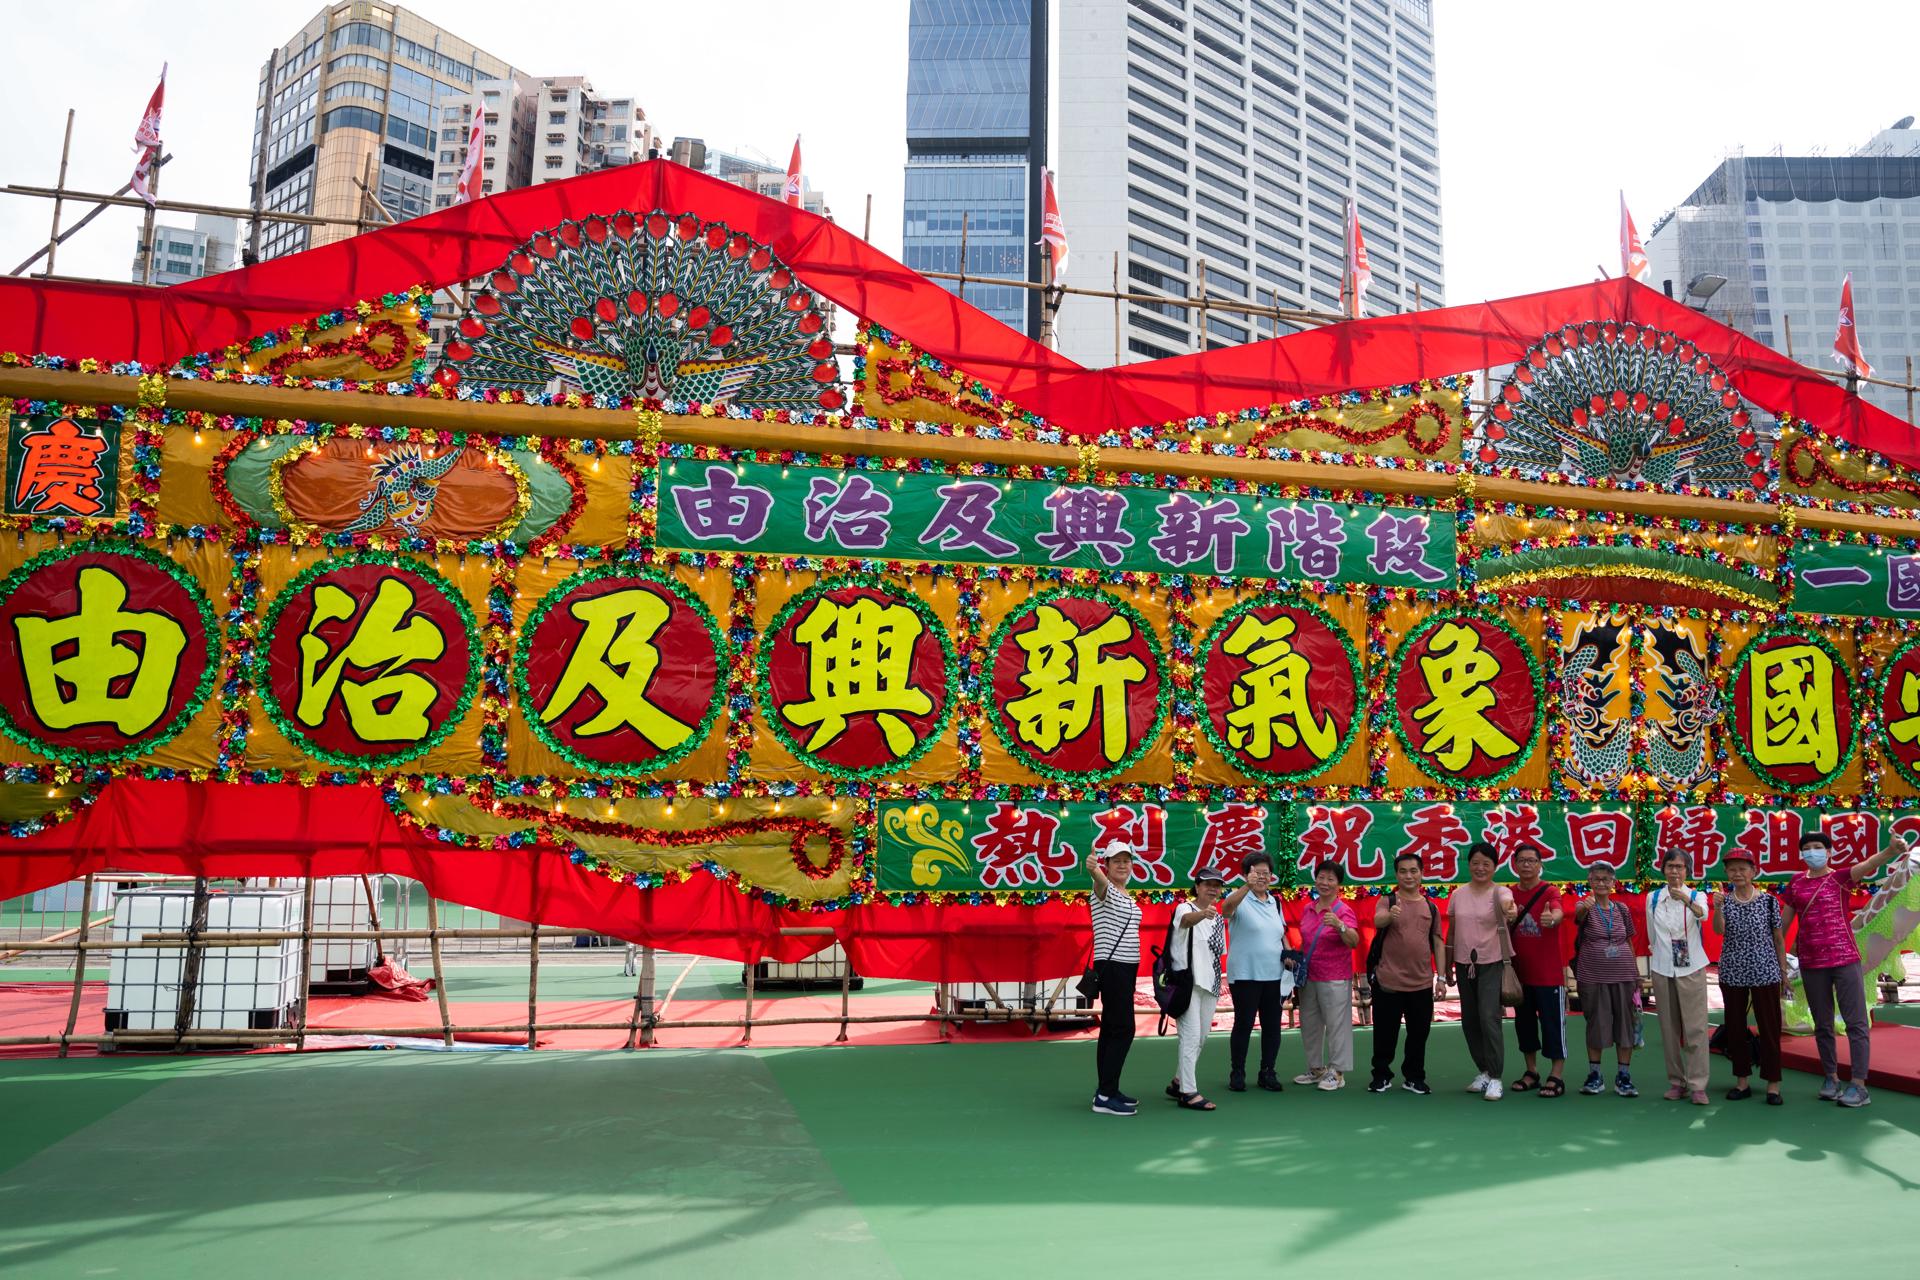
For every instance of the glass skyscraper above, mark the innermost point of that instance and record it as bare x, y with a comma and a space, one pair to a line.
976, 143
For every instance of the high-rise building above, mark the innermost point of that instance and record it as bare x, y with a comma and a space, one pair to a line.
355, 97
1765, 241
976, 145
1213, 145
755, 173
537, 131
187, 253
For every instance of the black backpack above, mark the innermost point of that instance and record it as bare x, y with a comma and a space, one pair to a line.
1172, 988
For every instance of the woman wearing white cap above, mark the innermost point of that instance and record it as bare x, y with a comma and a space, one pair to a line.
1116, 967
1198, 941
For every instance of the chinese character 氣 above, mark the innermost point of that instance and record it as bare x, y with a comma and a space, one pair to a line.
1086, 518
859, 661
1068, 678
1192, 531
391, 704
1400, 546
616, 657
723, 507
60, 469
1270, 703
1458, 672
1314, 532
853, 515
76, 667
1790, 691
965, 519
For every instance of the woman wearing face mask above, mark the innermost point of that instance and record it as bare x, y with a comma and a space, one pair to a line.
1753, 963
1678, 959
1253, 971
1830, 962
1198, 941
1477, 913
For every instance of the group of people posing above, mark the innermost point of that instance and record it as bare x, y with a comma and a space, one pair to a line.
1489, 935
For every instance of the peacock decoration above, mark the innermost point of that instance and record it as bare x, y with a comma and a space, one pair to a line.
652, 306
1622, 402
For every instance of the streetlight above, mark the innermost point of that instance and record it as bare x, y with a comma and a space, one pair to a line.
1703, 287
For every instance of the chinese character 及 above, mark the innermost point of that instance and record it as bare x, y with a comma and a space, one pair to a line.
965, 519
616, 657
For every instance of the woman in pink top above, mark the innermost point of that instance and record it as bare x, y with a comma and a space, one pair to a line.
1477, 912
1328, 934
1830, 962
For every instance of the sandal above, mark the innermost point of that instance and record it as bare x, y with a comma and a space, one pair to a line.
1173, 1090
1196, 1102
1527, 1082
1553, 1087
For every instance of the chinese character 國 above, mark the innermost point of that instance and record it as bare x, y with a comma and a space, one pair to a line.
1790, 692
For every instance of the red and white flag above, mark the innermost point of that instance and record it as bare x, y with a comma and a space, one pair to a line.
469, 185
1053, 228
146, 141
1846, 337
1633, 255
1359, 273
793, 175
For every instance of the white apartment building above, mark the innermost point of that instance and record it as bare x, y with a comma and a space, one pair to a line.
755, 173
538, 131
187, 253
506, 140
1765, 241
1213, 145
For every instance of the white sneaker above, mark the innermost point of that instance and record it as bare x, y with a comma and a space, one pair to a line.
1309, 1076
1493, 1092
1480, 1083
1330, 1081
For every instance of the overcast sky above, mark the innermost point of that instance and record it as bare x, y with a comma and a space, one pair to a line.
1546, 109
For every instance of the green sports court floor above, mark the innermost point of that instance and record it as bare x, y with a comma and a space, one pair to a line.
936, 1160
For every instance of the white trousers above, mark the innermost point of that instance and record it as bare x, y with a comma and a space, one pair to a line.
1194, 1025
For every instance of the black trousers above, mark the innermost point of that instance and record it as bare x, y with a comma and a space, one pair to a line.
1390, 1009
1255, 999
1117, 980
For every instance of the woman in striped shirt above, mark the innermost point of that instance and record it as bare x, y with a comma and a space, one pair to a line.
1116, 963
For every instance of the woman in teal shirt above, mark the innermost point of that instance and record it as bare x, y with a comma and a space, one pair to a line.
1258, 935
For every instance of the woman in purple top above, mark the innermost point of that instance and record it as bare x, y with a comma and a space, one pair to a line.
1608, 978
1830, 962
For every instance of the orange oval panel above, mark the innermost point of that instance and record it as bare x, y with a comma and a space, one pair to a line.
399, 490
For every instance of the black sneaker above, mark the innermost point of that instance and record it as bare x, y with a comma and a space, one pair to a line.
1270, 1081
1624, 1086
1237, 1081
1416, 1086
1107, 1105
1594, 1084
1126, 1098
1379, 1084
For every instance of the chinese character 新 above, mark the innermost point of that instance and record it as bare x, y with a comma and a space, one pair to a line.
60, 469
77, 667
1790, 693
616, 657
723, 508
1337, 833
1400, 546
1457, 672
859, 661
1068, 677
965, 520
853, 515
1313, 532
1271, 707
1018, 848
1192, 531
389, 705
1086, 518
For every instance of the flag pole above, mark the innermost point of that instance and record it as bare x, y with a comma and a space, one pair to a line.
147, 228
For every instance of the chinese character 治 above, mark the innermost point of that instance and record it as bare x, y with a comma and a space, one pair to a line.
616, 657
60, 469
853, 515
965, 519
1314, 533
723, 507
859, 661
1270, 703
391, 704
1068, 677
1192, 531
77, 667
1791, 695
1458, 672
1400, 546
1086, 518
1017, 848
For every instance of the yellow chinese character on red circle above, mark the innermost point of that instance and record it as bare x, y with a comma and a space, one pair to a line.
859, 661
1068, 678
74, 665
1270, 707
616, 657
390, 706
1790, 693
1457, 672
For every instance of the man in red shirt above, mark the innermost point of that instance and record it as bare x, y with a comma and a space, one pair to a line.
1540, 1022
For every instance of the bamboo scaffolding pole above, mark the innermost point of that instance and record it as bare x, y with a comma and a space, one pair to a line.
660, 1010
643, 989
53, 235
190, 960
439, 971
86, 889
533, 989
121, 199
306, 957
746, 1022
60, 936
